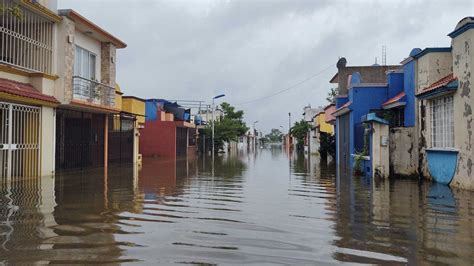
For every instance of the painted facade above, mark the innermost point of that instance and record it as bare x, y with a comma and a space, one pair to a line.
168, 131
444, 104
86, 88
27, 90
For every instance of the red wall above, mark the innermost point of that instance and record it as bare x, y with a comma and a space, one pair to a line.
158, 138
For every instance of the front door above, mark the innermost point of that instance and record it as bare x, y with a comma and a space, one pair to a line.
19, 141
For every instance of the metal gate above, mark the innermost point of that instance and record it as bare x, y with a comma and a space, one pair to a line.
19, 141
181, 141
121, 137
344, 140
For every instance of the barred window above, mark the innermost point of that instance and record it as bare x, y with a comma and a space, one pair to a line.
442, 122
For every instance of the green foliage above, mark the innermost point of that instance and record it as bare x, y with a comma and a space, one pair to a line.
327, 144
229, 127
299, 131
358, 158
333, 92
274, 136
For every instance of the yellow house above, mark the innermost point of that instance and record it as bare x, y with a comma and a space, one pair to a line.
320, 122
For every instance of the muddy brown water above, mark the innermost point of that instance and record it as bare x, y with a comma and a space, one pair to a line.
256, 208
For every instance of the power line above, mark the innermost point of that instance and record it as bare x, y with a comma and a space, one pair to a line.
289, 88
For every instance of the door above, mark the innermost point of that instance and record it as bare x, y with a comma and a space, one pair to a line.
79, 139
19, 141
181, 141
121, 137
343, 140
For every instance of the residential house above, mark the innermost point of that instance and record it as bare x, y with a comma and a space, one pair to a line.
135, 106
168, 131
322, 126
123, 139
86, 63
28, 73
360, 90
444, 105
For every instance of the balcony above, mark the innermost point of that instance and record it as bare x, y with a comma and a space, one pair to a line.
94, 92
26, 38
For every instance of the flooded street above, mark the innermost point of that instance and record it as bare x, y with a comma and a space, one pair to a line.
258, 208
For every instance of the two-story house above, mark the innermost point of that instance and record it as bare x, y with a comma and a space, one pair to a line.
27, 86
86, 89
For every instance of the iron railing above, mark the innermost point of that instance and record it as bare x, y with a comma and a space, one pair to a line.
26, 38
93, 91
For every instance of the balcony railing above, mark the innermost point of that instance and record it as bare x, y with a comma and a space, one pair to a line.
26, 38
93, 92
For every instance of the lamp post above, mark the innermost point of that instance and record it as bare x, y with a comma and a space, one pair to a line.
213, 121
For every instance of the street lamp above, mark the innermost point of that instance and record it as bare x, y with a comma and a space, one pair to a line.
213, 121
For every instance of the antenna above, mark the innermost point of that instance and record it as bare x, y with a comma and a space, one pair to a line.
384, 55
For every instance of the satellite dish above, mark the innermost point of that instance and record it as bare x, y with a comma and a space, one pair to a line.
341, 63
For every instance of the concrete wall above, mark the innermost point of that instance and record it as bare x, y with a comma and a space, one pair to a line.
369, 74
403, 151
380, 151
48, 140
463, 63
158, 139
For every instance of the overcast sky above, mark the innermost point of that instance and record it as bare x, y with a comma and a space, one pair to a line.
193, 50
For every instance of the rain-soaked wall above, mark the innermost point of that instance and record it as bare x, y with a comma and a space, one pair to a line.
403, 151
463, 60
430, 68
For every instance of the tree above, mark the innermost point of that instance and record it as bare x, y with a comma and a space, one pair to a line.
228, 128
299, 131
274, 136
333, 92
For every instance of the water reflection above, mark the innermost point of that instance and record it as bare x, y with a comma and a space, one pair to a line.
268, 206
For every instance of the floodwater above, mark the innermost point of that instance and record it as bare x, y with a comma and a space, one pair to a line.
258, 208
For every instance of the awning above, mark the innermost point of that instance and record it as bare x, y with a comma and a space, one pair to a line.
24, 92
397, 101
343, 109
441, 87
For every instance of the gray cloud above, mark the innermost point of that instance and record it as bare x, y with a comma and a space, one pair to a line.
250, 49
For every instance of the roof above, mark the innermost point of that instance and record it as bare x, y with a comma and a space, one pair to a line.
432, 50
343, 109
329, 110
97, 32
395, 99
463, 25
441, 87
438, 84
133, 97
372, 117
25, 90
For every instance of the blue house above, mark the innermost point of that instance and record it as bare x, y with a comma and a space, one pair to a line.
391, 102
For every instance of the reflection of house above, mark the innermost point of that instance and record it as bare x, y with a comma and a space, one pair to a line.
168, 131
27, 79
86, 89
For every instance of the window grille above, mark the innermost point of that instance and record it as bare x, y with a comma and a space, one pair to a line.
442, 122
26, 39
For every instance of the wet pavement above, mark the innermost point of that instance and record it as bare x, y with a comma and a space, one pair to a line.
260, 208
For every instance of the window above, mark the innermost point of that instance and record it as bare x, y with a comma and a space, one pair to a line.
396, 117
442, 122
84, 64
